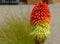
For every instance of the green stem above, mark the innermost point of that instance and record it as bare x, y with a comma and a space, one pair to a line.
37, 41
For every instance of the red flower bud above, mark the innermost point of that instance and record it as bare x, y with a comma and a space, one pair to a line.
40, 14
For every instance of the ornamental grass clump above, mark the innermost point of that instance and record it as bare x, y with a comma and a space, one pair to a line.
40, 21
14, 29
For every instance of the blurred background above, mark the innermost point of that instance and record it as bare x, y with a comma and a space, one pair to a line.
27, 1
35, 1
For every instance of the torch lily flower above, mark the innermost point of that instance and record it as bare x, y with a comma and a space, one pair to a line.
40, 21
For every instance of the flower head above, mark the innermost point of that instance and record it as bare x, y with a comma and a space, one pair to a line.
40, 19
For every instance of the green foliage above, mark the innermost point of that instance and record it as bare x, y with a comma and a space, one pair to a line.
15, 31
